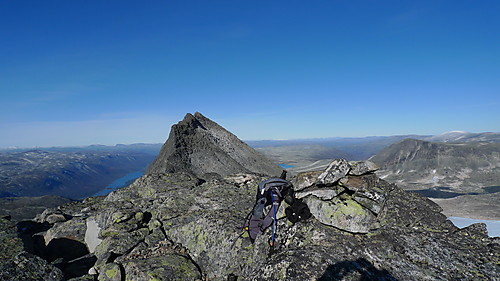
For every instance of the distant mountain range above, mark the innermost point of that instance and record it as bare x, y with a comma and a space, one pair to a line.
146, 148
310, 154
77, 172
73, 175
467, 166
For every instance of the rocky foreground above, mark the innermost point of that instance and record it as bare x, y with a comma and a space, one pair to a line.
180, 227
186, 226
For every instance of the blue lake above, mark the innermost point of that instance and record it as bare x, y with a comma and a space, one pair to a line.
492, 225
119, 183
286, 166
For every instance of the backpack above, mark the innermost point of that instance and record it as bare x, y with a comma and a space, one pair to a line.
269, 192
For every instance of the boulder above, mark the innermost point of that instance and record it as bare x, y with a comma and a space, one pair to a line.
306, 179
18, 265
359, 168
111, 272
334, 172
53, 218
345, 214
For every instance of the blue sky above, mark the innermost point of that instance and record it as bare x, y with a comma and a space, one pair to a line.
105, 72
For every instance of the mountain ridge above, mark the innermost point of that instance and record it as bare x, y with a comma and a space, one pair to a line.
463, 166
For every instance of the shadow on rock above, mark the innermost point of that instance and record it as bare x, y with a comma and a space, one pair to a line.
66, 249
70, 256
360, 269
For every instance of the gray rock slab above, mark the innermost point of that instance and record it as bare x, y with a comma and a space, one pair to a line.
323, 194
362, 167
335, 171
347, 215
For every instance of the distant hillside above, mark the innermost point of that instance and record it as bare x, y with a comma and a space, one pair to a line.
319, 149
146, 148
465, 167
69, 174
301, 155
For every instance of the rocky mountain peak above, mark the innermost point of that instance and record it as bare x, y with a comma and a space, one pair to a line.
198, 145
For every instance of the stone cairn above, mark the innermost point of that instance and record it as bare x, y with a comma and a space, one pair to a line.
345, 195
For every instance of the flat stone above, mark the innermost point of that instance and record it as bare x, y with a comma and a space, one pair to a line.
53, 218
335, 171
359, 168
306, 179
166, 267
324, 194
92, 235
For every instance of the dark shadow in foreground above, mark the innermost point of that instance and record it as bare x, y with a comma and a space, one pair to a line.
359, 269
71, 256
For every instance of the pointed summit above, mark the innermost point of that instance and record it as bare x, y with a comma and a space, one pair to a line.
199, 145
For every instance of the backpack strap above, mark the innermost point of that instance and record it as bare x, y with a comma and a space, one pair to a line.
257, 222
269, 192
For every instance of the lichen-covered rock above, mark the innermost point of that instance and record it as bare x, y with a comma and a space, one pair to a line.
343, 200
53, 218
334, 172
345, 214
73, 229
359, 168
321, 193
18, 265
306, 179
111, 272
170, 267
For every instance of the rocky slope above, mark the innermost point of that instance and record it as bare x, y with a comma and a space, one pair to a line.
198, 145
16, 263
179, 226
466, 167
69, 174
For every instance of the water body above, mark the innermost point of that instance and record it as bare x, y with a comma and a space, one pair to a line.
492, 189
445, 192
119, 183
441, 193
492, 225
286, 166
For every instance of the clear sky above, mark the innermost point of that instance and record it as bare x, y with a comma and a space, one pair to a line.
85, 72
